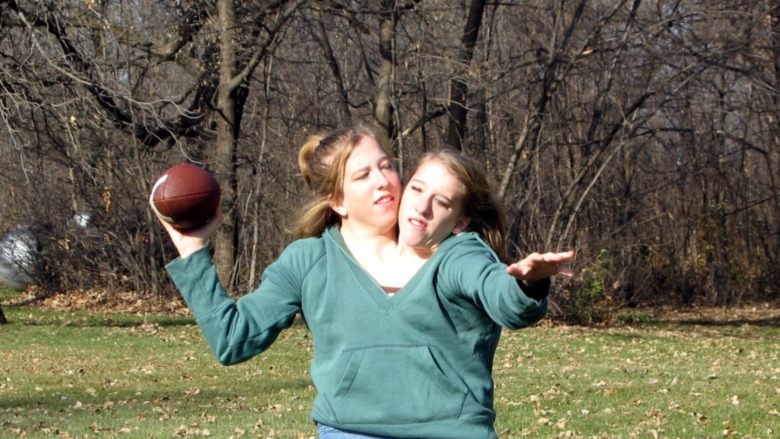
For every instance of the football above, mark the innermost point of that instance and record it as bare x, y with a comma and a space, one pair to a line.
185, 196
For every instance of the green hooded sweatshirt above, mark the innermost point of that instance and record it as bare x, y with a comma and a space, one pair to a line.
416, 364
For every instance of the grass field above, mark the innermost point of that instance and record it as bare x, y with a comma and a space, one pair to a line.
78, 374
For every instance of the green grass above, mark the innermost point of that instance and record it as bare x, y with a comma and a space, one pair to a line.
68, 375
91, 375
672, 381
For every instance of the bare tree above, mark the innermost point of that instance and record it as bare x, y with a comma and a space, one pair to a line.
78, 45
642, 133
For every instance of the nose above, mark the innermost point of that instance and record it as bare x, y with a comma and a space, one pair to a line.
423, 207
381, 180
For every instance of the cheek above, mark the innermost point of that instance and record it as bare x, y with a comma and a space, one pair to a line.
392, 175
445, 223
395, 181
353, 193
407, 204
407, 198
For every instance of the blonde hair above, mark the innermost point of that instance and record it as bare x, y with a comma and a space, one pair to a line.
322, 160
480, 203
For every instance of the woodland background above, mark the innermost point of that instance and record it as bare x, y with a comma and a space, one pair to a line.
643, 134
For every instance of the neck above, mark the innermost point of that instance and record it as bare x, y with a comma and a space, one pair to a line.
364, 237
421, 254
376, 253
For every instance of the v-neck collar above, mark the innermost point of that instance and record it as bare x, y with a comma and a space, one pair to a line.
371, 287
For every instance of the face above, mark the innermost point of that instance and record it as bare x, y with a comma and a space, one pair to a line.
371, 190
431, 207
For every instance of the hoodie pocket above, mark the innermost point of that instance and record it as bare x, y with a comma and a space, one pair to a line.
397, 385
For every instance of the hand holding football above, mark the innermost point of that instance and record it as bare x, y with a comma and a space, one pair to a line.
185, 196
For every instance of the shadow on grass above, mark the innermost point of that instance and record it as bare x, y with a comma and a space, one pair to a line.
764, 321
57, 398
18, 315
763, 316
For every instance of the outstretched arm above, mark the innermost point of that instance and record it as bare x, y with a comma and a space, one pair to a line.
538, 266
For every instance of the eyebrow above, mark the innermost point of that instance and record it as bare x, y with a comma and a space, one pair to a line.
359, 170
418, 181
367, 167
438, 194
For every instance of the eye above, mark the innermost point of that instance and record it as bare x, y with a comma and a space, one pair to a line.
361, 176
442, 202
415, 188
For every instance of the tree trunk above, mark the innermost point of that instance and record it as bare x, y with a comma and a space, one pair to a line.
383, 109
327, 51
459, 86
225, 154
776, 48
774, 151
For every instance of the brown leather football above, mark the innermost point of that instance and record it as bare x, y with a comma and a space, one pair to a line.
186, 196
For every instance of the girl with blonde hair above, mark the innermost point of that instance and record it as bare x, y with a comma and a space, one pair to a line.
403, 331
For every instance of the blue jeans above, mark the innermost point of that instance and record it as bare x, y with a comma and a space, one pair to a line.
328, 432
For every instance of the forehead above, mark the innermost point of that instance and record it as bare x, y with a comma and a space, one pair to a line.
366, 151
435, 175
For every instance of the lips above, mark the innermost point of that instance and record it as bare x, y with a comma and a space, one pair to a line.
386, 199
418, 223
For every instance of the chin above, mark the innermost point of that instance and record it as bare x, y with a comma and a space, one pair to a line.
410, 241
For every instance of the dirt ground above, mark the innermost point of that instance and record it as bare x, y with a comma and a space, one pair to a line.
134, 303
103, 301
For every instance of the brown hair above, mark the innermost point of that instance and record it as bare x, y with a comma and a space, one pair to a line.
480, 202
322, 160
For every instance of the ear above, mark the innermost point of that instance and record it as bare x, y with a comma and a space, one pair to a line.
461, 225
338, 207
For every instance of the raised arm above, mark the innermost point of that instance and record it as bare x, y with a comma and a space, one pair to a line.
190, 241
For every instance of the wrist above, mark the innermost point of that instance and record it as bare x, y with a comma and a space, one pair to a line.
536, 289
188, 250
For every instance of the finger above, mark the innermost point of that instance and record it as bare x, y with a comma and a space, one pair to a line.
166, 225
558, 258
565, 271
567, 255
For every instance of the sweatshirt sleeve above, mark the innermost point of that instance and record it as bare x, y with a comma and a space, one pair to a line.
474, 274
238, 330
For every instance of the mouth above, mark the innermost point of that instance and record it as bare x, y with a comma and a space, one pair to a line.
418, 223
384, 200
